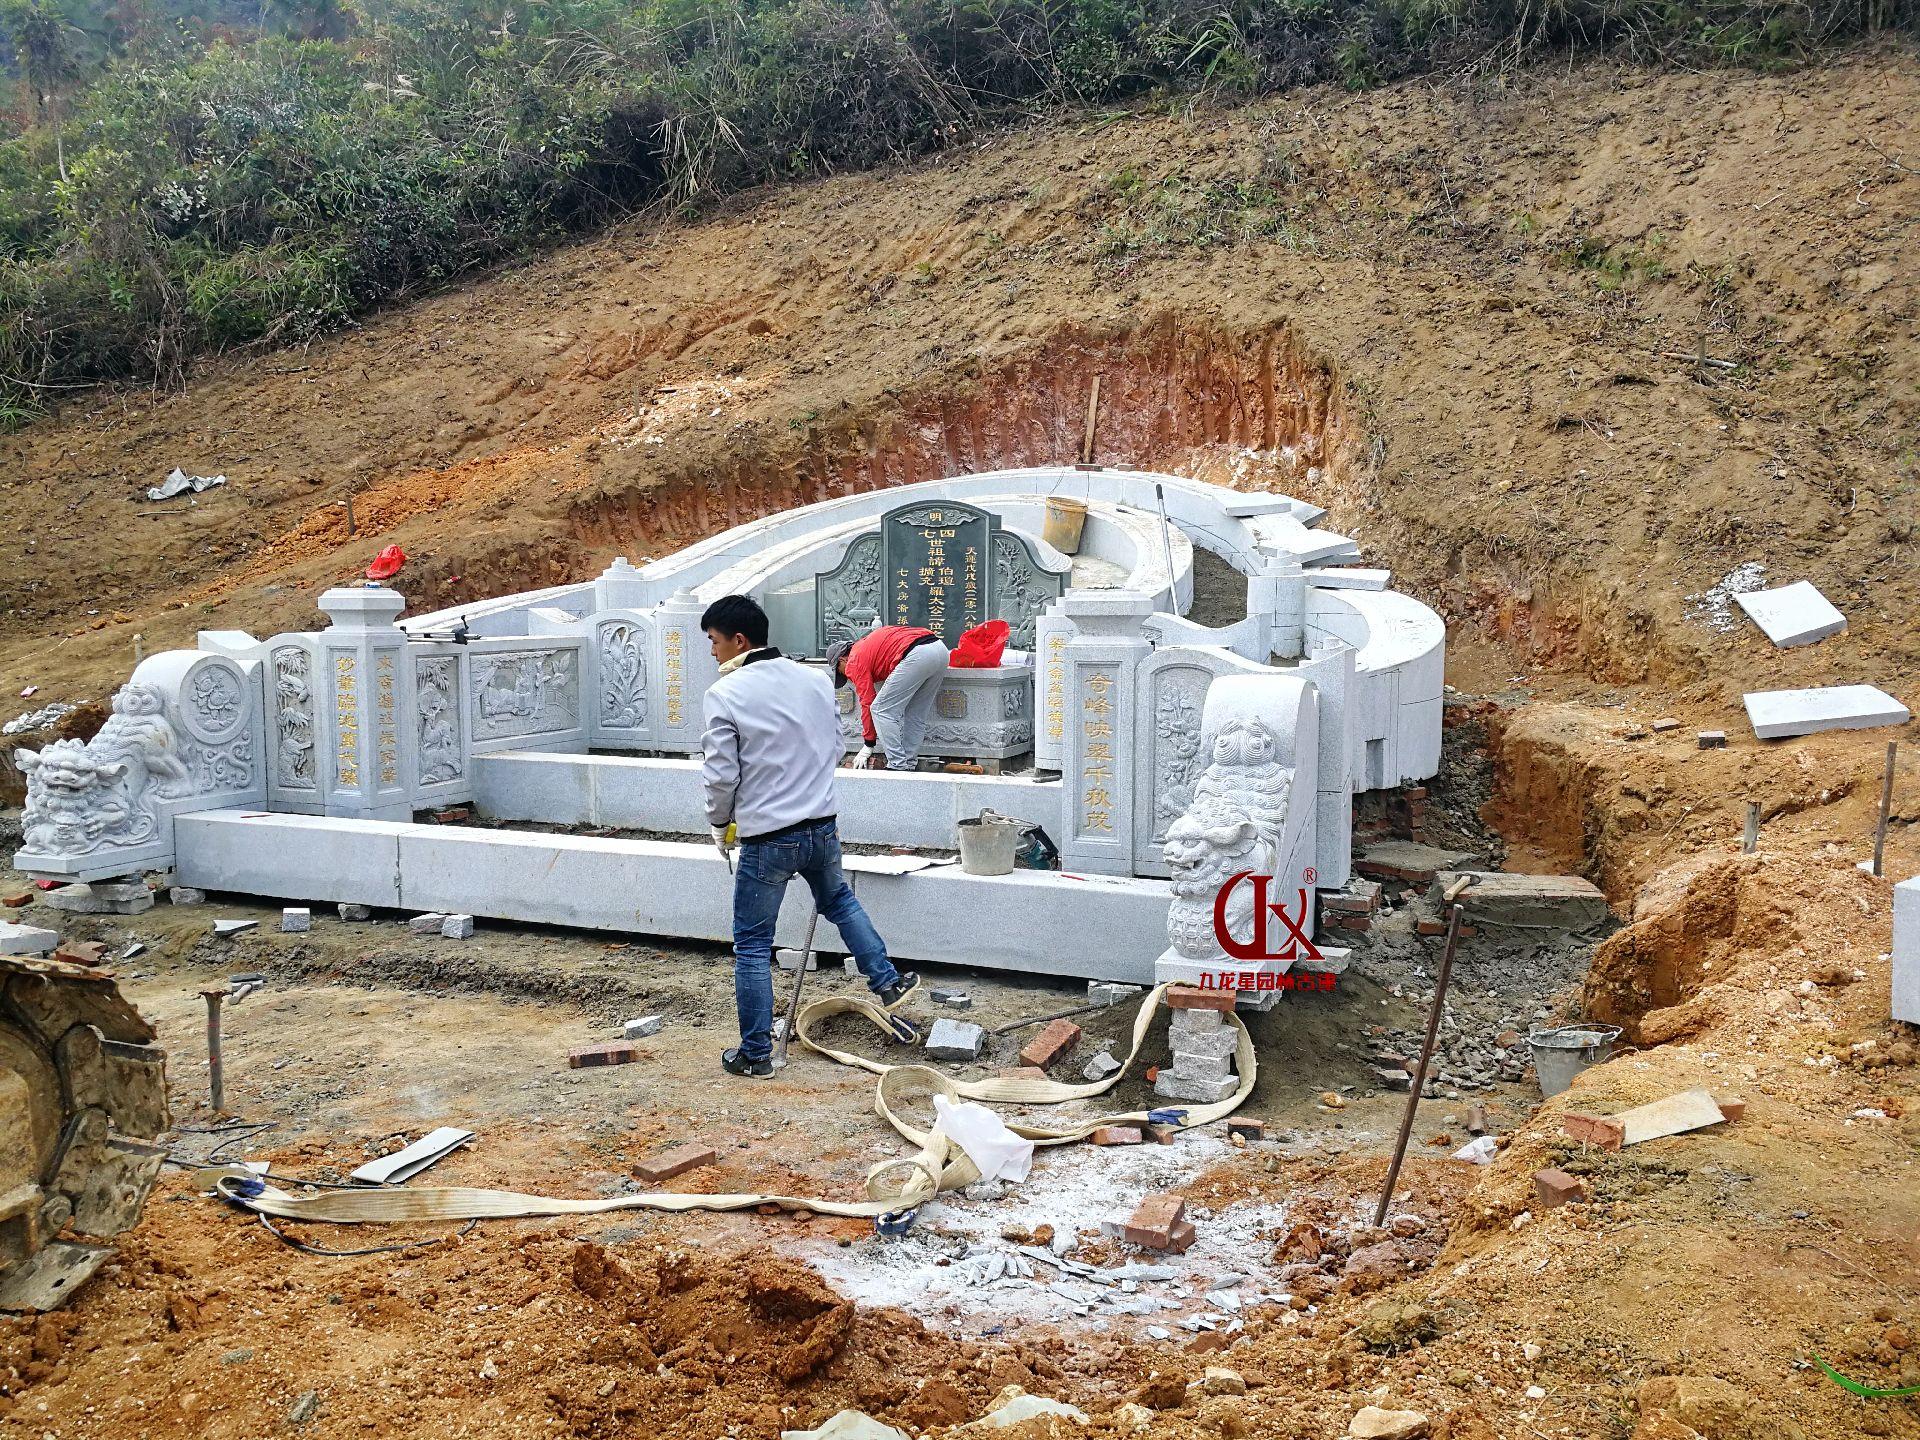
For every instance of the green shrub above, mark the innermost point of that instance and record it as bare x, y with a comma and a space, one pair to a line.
214, 176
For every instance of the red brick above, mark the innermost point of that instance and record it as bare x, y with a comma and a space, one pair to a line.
1027, 1072
1594, 1130
1180, 1239
20, 901
613, 1052
1192, 997
1359, 923
1116, 1135
1556, 1188
1154, 1220
1249, 1129
1416, 792
1051, 1043
1430, 927
1161, 1134
1731, 1108
666, 1164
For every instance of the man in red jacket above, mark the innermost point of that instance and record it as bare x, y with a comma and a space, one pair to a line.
896, 671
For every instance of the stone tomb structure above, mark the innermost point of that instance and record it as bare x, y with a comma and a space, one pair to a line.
1167, 757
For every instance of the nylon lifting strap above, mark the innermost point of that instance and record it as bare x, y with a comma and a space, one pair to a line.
899, 1184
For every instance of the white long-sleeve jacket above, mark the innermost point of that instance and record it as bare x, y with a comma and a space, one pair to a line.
771, 743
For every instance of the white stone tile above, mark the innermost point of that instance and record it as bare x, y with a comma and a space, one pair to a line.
1796, 614
25, 939
306, 857
1906, 951
1349, 577
1778, 714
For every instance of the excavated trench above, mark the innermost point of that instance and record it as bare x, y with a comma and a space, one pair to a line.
1252, 409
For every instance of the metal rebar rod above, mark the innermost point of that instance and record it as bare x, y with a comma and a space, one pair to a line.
1043, 1019
1426, 1058
1886, 809
215, 1079
793, 1000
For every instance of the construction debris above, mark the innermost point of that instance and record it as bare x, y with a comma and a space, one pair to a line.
641, 1028
613, 1052
957, 999
1374, 1423
955, 1040
226, 929
1712, 739
404, 1164
1555, 1188
295, 920
457, 927
666, 1164
1050, 1044
427, 924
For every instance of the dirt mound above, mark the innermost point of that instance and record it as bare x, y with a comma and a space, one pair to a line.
1458, 316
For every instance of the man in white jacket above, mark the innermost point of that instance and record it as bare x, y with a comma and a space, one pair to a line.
771, 744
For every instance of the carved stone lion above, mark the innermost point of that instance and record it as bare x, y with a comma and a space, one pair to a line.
75, 800
82, 797
1232, 827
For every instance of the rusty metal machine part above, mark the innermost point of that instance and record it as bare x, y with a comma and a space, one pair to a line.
83, 1096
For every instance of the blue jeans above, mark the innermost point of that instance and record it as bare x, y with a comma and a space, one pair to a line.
812, 852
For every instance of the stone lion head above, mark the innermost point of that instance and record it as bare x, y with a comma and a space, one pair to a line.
1211, 842
66, 768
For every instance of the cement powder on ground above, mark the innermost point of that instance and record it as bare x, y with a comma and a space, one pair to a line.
1713, 607
928, 1271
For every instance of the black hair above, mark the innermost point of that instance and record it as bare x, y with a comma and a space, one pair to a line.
737, 615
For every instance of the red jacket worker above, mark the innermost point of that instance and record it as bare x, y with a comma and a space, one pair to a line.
896, 671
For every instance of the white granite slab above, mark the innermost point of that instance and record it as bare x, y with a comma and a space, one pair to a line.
1906, 951
1796, 614
1778, 714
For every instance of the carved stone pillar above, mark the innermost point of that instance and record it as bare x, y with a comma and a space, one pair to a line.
364, 742
1098, 717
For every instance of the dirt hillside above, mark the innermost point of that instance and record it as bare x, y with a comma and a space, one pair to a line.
1467, 309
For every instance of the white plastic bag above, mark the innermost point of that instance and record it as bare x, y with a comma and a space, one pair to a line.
996, 1151
1479, 1152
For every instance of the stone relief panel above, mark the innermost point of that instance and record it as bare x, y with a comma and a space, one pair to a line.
622, 651
436, 690
525, 692
293, 717
1177, 697
1021, 589
847, 598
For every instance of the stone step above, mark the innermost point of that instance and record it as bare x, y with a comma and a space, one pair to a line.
1094, 927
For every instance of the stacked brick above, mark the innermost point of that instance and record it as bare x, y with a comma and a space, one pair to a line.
1352, 908
1203, 1047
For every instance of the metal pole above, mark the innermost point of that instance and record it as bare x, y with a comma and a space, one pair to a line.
213, 995
793, 1000
1426, 1056
1166, 542
1750, 841
1886, 808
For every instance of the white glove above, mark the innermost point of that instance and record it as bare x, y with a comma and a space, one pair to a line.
720, 841
860, 760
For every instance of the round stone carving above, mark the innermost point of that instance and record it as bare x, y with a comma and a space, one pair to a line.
213, 700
